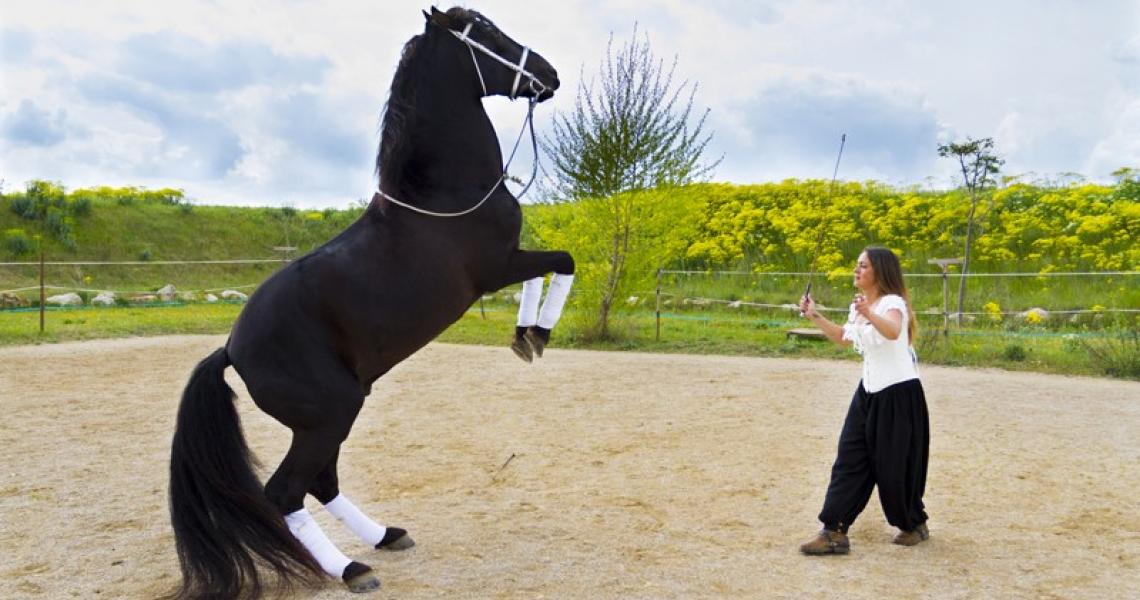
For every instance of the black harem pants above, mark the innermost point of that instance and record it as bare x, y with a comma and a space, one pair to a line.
885, 442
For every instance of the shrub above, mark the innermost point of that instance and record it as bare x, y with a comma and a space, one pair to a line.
18, 242
1117, 356
81, 206
24, 206
144, 255
1014, 352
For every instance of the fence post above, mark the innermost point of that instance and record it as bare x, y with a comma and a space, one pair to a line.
42, 294
658, 337
482, 312
945, 263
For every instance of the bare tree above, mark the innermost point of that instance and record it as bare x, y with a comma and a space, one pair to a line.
979, 164
629, 131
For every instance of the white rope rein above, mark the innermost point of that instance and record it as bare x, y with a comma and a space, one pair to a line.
535, 85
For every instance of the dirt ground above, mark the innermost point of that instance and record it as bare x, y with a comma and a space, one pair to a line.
634, 476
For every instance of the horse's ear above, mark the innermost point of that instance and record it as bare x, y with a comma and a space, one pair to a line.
439, 18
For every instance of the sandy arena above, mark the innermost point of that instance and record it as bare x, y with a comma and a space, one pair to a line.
634, 476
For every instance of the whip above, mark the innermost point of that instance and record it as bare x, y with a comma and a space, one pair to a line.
819, 238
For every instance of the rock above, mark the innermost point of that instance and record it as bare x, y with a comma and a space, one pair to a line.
517, 297
144, 298
166, 292
1034, 315
12, 301
186, 296
104, 299
734, 304
234, 295
71, 299
211, 298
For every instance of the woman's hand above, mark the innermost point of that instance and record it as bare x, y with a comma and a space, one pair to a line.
862, 306
807, 306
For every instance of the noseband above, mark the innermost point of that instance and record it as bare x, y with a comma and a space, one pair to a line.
535, 85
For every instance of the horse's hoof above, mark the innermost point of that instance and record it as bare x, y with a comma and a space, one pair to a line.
359, 578
536, 342
396, 539
522, 349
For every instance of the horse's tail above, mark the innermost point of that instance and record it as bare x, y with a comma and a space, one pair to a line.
224, 527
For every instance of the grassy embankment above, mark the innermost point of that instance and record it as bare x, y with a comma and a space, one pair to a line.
150, 232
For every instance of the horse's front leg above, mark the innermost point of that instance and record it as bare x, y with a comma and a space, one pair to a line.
525, 265
532, 332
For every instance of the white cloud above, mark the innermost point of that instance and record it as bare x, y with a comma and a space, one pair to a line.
268, 102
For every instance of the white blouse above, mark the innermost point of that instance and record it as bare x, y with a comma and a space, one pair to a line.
885, 362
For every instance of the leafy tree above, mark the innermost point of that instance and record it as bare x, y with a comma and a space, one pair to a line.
658, 225
979, 164
629, 132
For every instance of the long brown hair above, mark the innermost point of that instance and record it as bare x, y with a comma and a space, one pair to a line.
889, 280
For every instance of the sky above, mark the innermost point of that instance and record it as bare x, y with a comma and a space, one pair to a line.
279, 103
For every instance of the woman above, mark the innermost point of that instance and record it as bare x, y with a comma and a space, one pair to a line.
886, 437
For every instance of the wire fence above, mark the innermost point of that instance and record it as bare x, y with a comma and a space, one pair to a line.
770, 297
1075, 301
78, 276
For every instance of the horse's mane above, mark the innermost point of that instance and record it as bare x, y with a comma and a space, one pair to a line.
399, 110
401, 102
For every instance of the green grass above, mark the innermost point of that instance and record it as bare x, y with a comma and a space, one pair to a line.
709, 332
68, 324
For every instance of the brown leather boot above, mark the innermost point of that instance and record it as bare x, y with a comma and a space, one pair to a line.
915, 536
827, 542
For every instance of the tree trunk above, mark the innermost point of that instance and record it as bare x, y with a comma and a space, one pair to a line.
966, 259
617, 266
611, 285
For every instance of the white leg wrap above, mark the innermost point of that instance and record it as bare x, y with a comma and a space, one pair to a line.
346, 512
318, 544
556, 295
528, 307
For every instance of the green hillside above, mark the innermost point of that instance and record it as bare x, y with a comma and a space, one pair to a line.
707, 227
127, 224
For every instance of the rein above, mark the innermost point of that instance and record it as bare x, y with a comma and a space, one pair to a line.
535, 85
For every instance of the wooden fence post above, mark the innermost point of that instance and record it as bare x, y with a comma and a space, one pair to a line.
658, 337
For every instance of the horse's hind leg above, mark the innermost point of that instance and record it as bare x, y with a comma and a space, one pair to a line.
309, 453
326, 489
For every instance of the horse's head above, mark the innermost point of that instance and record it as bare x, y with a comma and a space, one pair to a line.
501, 65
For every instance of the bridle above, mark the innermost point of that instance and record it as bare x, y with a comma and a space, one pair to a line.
535, 85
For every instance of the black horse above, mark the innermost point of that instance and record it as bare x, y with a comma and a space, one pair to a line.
317, 334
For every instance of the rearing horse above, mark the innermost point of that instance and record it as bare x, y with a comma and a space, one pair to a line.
315, 336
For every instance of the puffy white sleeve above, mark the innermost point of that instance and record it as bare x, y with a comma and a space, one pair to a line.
853, 331
892, 301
